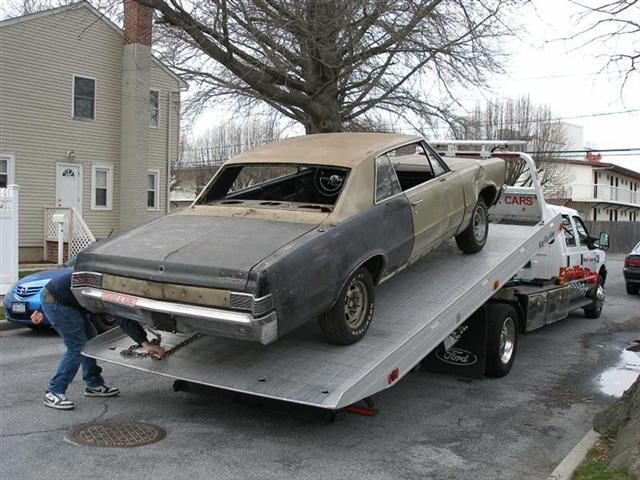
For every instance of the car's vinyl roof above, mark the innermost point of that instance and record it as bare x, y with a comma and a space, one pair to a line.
335, 149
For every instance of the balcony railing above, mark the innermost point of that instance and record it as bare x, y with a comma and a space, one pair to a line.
603, 193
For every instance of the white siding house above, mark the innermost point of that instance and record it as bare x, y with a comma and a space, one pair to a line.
600, 191
68, 138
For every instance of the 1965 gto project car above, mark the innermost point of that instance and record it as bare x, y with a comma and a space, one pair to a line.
285, 233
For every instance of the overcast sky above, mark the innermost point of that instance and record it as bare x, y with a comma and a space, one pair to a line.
556, 73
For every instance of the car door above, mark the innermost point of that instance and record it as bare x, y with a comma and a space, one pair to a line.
426, 194
452, 184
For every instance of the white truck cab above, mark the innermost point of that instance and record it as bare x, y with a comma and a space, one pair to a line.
574, 247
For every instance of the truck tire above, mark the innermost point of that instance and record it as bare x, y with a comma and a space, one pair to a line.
633, 288
349, 318
473, 238
594, 310
502, 339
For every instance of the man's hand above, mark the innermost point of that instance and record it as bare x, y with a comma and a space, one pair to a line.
37, 317
154, 350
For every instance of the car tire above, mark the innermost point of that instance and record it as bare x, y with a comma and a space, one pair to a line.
594, 310
633, 288
349, 318
473, 238
502, 339
103, 323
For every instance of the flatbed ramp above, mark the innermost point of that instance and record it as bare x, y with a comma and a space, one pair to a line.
415, 312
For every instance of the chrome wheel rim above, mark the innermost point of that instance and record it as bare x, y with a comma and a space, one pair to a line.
507, 340
479, 223
355, 303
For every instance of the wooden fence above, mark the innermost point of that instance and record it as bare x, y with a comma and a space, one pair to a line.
623, 235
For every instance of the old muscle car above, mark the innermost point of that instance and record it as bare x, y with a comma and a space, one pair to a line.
297, 230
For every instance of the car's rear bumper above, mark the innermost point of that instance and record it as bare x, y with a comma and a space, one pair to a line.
183, 317
631, 274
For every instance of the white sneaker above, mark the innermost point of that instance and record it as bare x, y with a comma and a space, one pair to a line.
58, 400
101, 391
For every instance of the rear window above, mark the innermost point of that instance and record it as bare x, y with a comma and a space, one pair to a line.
314, 187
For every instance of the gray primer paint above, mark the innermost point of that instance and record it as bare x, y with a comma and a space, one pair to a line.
306, 276
215, 252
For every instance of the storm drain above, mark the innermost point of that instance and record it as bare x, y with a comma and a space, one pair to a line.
116, 434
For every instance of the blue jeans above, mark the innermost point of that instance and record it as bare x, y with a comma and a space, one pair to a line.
75, 329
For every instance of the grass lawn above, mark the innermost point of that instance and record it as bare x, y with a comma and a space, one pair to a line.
594, 466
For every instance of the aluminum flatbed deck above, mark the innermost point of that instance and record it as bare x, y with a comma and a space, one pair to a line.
416, 311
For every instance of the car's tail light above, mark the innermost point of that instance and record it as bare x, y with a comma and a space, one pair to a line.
86, 279
247, 302
632, 262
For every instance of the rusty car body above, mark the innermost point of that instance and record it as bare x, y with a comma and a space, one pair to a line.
289, 232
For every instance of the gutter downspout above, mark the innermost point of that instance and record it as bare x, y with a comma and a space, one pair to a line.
168, 189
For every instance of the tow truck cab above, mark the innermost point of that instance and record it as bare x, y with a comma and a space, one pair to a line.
574, 247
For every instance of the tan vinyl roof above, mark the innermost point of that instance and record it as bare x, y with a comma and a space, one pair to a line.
334, 149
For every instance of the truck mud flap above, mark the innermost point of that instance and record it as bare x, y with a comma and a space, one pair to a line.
468, 356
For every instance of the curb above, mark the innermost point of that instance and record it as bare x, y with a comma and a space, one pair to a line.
565, 469
7, 325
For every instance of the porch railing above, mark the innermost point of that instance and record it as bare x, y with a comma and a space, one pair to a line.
76, 233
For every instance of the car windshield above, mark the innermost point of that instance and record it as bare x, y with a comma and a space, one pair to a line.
271, 185
636, 249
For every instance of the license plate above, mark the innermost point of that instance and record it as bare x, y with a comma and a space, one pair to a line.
19, 308
119, 299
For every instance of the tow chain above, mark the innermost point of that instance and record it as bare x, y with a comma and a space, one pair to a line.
134, 350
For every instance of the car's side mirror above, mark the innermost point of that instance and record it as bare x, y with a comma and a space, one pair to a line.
603, 241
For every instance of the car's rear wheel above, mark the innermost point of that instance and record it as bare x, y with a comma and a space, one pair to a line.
473, 238
633, 288
349, 318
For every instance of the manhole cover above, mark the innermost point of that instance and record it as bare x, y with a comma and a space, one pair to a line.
116, 435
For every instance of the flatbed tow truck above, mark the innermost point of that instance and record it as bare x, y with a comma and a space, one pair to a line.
455, 311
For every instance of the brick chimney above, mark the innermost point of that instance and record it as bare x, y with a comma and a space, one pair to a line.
138, 20
134, 147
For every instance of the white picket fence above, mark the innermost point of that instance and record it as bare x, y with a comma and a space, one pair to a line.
8, 237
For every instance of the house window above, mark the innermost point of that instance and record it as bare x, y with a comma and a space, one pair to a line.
4, 172
154, 108
101, 187
84, 97
152, 189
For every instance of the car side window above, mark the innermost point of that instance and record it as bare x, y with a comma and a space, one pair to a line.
411, 165
569, 233
437, 165
582, 230
386, 179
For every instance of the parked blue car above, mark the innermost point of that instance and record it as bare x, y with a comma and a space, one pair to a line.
24, 296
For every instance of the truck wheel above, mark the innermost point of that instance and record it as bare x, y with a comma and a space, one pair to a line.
633, 288
502, 339
349, 318
473, 238
595, 309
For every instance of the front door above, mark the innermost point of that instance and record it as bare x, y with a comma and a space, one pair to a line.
69, 186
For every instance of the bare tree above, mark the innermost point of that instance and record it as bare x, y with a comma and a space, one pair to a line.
616, 25
520, 119
326, 63
202, 156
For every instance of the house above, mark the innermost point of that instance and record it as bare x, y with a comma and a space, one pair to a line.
600, 191
89, 124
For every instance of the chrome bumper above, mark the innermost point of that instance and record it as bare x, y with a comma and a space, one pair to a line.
214, 321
